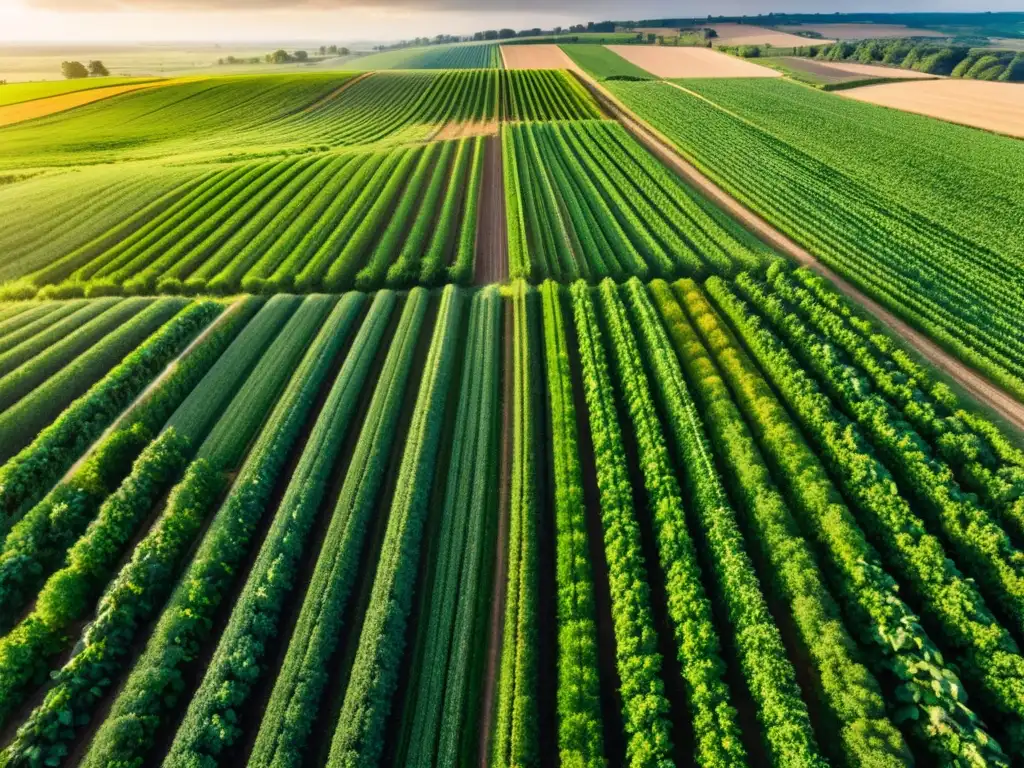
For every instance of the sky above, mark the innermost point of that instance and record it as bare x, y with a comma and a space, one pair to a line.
348, 20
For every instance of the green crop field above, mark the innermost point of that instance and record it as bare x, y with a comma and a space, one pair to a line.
16, 93
469, 56
433, 414
603, 63
585, 200
312, 481
923, 215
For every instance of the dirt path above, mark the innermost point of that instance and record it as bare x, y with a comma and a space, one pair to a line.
974, 383
153, 385
497, 621
461, 129
492, 233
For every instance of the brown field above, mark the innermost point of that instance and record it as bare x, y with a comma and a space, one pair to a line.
689, 62
536, 57
862, 31
872, 70
29, 110
461, 130
748, 34
995, 107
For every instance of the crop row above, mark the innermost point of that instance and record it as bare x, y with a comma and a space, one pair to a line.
475, 56
543, 94
323, 533
394, 217
870, 219
586, 201
218, 112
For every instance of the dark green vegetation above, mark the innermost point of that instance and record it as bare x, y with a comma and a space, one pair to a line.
702, 497
920, 214
934, 58
585, 200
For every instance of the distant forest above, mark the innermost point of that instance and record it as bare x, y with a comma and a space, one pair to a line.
934, 58
957, 24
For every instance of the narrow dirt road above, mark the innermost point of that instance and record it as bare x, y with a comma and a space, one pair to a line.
983, 390
492, 235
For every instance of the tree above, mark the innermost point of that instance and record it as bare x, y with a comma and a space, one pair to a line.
96, 69
343, 51
323, 50
72, 70
301, 56
332, 49
506, 33
280, 56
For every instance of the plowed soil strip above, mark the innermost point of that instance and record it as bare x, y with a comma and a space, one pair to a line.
492, 234
983, 390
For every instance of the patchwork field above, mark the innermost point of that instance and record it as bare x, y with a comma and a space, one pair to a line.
862, 31
16, 93
689, 62
465, 415
748, 34
995, 107
41, 107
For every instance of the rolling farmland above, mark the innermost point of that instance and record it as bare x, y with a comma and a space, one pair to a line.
442, 414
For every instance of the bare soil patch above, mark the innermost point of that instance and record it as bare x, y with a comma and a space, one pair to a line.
689, 62
492, 234
461, 130
30, 110
975, 384
869, 70
749, 34
995, 107
536, 57
860, 31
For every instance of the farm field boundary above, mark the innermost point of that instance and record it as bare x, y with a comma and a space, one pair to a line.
51, 105
978, 386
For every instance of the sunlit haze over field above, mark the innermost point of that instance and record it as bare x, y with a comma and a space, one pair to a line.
26, 21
